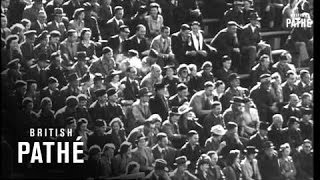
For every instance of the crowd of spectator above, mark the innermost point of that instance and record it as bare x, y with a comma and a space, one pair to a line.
139, 82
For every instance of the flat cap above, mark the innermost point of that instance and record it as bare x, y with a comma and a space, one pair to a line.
20, 83
100, 92
52, 80
230, 125
111, 91
71, 101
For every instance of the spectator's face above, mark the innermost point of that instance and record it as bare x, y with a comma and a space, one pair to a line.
269, 152
55, 39
286, 151
263, 132
278, 122
227, 64
14, 44
195, 28
266, 62
87, 35
29, 106
183, 167
74, 37
116, 78
295, 125
184, 73
175, 118
133, 73
42, 64
306, 78
116, 127
221, 88
142, 143
294, 100
194, 139
235, 82
154, 11
209, 91
53, 86
217, 109
164, 142
81, 15
145, 99
113, 98
254, 22
33, 87
101, 129
42, 18
156, 72
49, 105
166, 33
103, 99
59, 1
74, 83
109, 55
57, 61
208, 69
183, 93
233, 131
119, 14
169, 72
307, 100
204, 167
185, 33
83, 103
214, 159
38, 5
4, 22
110, 152
28, 26
83, 126
232, 29
125, 33
141, 32
306, 147
22, 90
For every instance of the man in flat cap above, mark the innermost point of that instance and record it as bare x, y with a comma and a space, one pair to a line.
112, 27
70, 6
261, 68
138, 41
52, 91
91, 22
306, 123
98, 108
305, 161
116, 42
114, 109
54, 41
291, 109
72, 88
50, 6
158, 103
69, 49
160, 170
80, 67
38, 72
41, 22
234, 89
227, 43
205, 74
42, 46
27, 49
16, 97
99, 136
56, 70
56, 23
31, 12
105, 64
260, 137
179, 43
235, 112
232, 139
289, 86
69, 110
131, 90
192, 150
262, 98
162, 151
181, 97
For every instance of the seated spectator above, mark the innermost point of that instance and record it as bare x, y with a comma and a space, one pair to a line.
283, 65
143, 154
50, 6
33, 93
233, 169
113, 81
233, 90
138, 18
82, 109
232, 140
306, 123
54, 41
80, 67
287, 167
43, 46
27, 49
116, 135
85, 44
180, 41
105, 12
40, 24
247, 10
259, 69
38, 72
305, 83
106, 157
303, 161
69, 110
69, 49
224, 72
131, 83
258, 139
219, 88
170, 79
162, 151
70, 6
203, 165
249, 165
214, 118
182, 169
46, 114
153, 77
140, 108
205, 74
56, 23
158, 103
120, 161
235, 113
98, 83
188, 121
276, 89
306, 101
31, 11
215, 169
138, 41
154, 20
94, 165
91, 22
99, 137
180, 98
112, 26
82, 131
52, 91
214, 142
275, 131
291, 109
5, 31
117, 41
113, 108
105, 64
292, 134
251, 45
251, 117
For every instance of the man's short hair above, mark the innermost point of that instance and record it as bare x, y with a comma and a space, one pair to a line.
181, 87
225, 58
303, 73
215, 104
305, 95
139, 26
289, 73
117, 8
208, 84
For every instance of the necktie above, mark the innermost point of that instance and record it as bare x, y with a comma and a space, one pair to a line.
252, 166
198, 38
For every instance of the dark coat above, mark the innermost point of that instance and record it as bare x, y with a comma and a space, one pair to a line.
179, 48
169, 155
172, 84
91, 50
256, 72
233, 15
174, 101
116, 139
211, 120
91, 23
269, 168
249, 38
192, 155
98, 112
36, 26
159, 106
286, 91
40, 77
62, 114
288, 111
67, 91
98, 140
257, 141
61, 28
132, 43
114, 43
111, 28
222, 74
276, 136
131, 90
58, 73
113, 112
27, 52
307, 88
69, 8
293, 137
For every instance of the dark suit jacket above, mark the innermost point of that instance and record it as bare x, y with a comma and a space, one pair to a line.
288, 111
112, 28
300, 89
286, 91
174, 101
98, 140
269, 168
224, 42
92, 23
249, 38
257, 141
50, 9
116, 140
27, 52
169, 155
256, 72
98, 112
222, 74
179, 48
132, 43
113, 112
192, 155
131, 90
58, 73
54, 97
114, 43
158, 106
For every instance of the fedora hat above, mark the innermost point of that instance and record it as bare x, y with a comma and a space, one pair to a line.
184, 108
254, 16
58, 11
218, 130
251, 150
182, 160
